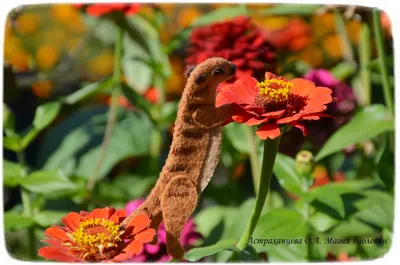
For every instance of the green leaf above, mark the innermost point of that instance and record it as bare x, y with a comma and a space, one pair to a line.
343, 70
12, 174
77, 141
377, 208
168, 113
385, 162
28, 137
249, 254
239, 223
322, 222
288, 178
8, 118
220, 14
284, 224
48, 183
131, 137
297, 67
48, 218
236, 133
87, 91
374, 65
137, 99
329, 198
291, 9
365, 125
138, 73
128, 186
45, 114
350, 228
12, 143
209, 218
14, 221
196, 254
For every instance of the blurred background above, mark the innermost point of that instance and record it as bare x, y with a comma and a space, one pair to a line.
91, 94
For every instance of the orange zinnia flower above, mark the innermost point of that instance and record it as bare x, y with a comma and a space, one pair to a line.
275, 104
97, 236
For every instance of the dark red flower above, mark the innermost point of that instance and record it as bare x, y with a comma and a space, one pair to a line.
238, 41
97, 237
275, 102
97, 10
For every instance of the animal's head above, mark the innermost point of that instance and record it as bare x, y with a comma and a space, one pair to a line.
210, 73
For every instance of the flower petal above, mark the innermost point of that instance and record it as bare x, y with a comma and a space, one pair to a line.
255, 121
132, 249
100, 213
317, 116
301, 127
57, 233
118, 215
269, 130
274, 114
71, 221
302, 87
52, 253
139, 222
146, 235
290, 118
241, 92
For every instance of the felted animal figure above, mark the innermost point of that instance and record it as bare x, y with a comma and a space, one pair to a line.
194, 152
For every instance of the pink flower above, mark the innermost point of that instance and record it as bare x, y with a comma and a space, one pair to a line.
158, 252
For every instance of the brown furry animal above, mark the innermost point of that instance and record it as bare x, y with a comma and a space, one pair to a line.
194, 152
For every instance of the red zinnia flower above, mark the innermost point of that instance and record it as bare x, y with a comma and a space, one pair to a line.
275, 101
238, 41
96, 236
98, 10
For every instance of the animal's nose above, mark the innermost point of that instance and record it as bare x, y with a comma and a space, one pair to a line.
233, 68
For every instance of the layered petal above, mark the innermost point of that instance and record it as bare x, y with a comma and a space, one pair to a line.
268, 130
275, 102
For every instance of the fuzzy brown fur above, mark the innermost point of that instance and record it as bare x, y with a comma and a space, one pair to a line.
194, 153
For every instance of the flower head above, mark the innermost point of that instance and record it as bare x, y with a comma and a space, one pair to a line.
238, 41
96, 237
158, 252
275, 102
98, 10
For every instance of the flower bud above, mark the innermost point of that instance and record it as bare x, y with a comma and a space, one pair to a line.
305, 163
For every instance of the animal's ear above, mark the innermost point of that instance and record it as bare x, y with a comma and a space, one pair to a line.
189, 70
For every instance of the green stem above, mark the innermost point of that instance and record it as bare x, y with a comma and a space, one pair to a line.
270, 151
27, 206
382, 59
254, 162
112, 114
364, 51
346, 44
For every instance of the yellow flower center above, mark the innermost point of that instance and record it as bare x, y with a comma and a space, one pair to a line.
275, 90
97, 239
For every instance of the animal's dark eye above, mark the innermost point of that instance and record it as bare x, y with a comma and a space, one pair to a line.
219, 71
200, 79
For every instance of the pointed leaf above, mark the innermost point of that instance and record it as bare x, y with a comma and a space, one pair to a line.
196, 254
365, 125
